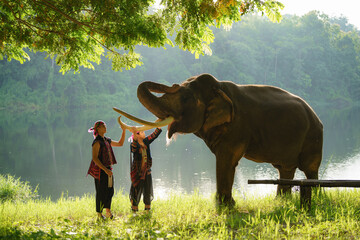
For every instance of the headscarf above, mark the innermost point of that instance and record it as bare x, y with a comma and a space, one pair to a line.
131, 138
93, 129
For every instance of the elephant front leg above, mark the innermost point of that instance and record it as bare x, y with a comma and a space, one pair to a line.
225, 172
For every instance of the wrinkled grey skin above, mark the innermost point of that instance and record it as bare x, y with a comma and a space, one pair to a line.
260, 123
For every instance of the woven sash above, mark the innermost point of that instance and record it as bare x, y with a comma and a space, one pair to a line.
143, 163
110, 181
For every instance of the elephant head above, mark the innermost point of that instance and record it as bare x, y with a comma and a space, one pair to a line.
199, 105
186, 105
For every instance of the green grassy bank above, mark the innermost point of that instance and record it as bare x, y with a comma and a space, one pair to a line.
335, 214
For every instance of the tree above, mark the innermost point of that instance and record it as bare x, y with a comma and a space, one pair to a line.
78, 33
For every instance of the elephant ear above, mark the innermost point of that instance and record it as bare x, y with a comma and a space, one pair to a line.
220, 110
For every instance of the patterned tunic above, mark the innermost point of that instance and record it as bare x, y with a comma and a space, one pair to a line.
142, 161
106, 156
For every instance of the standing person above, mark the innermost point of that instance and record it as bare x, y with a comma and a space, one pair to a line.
101, 167
141, 180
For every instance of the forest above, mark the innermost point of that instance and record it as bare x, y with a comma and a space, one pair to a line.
314, 56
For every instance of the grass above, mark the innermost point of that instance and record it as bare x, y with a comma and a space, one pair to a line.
13, 189
335, 214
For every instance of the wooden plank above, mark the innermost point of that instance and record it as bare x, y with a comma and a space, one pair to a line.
310, 182
306, 184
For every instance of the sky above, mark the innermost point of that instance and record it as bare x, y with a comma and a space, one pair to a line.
333, 8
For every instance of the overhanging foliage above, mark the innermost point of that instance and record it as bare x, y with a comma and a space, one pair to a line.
78, 33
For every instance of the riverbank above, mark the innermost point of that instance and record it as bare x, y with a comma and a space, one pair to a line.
335, 214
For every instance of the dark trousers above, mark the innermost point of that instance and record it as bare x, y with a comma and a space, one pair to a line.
104, 194
144, 188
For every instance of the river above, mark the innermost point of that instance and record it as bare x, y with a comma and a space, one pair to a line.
52, 150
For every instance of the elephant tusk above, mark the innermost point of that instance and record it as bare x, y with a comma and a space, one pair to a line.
130, 128
146, 125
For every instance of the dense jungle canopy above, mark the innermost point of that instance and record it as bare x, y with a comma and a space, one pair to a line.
78, 33
314, 56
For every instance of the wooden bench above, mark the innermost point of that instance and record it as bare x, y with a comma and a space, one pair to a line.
307, 184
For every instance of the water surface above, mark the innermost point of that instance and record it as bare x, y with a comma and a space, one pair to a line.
52, 150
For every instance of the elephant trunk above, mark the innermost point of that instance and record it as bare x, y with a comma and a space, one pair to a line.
153, 103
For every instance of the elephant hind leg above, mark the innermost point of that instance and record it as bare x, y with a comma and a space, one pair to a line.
312, 174
284, 174
311, 156
310, 164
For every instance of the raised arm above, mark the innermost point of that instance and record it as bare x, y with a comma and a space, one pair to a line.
154, 135
121, 140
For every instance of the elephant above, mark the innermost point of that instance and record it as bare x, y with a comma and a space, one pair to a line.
262, 123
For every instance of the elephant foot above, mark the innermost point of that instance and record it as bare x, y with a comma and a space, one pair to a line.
283, 190
224, 200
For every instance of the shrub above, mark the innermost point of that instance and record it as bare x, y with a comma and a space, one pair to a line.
12, 189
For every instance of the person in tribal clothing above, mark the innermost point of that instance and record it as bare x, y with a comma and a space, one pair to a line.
141, 180
101, 167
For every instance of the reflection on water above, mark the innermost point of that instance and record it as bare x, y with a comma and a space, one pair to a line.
53, 151
348, 169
